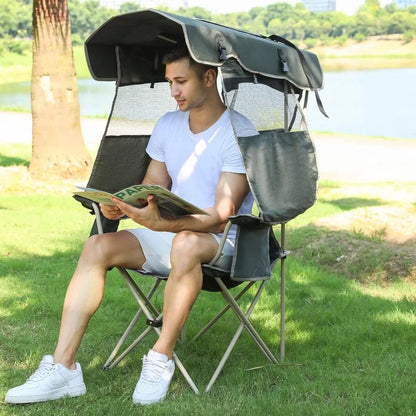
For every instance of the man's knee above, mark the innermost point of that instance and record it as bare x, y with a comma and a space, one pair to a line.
189, 246
97, 248
185, 242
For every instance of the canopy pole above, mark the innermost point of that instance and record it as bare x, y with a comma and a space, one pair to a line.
286, 107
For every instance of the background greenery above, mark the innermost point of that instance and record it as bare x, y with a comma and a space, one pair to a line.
292, 22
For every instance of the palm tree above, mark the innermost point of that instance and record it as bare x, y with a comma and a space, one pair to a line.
57, 147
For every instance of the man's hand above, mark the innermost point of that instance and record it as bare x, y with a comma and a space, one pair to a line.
148, 216
111, 212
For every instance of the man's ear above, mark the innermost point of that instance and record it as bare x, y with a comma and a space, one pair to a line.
210, 77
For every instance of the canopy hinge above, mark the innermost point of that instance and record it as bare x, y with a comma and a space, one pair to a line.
221, 48
282, 59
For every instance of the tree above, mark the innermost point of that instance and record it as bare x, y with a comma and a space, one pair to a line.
14, 19
57, 147
128, 7
87, 16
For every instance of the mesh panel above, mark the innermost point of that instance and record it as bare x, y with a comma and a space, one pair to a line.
263, 105
136, 108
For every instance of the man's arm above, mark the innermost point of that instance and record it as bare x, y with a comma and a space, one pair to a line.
156, 174
231, 190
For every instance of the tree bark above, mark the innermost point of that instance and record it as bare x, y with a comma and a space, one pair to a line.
57, 144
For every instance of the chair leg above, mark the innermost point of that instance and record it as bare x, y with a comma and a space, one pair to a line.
282, 310
109, 363
112, 361
236, 308
224, 357
221, 313
282, 294
244, 323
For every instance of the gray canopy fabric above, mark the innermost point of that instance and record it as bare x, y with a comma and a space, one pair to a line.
144, 36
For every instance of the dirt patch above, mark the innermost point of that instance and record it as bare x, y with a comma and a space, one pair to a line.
392, 224
366, 260
375, 242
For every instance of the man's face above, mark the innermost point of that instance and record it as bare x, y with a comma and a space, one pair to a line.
186, 87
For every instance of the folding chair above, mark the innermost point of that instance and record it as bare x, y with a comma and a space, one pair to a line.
264, 79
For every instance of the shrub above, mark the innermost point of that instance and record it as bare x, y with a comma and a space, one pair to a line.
310, 43
408, 36
17, 46
359, 37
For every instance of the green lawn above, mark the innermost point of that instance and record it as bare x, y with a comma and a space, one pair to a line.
350, 341
18, 68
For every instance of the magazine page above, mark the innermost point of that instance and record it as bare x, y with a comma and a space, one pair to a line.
136, 195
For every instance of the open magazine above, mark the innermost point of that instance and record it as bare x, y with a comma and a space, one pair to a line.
169, 203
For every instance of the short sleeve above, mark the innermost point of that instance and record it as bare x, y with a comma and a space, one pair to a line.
155, 146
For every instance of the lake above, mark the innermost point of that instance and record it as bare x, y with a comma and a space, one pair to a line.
374, 102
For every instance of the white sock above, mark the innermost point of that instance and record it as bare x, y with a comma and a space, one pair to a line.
158, 356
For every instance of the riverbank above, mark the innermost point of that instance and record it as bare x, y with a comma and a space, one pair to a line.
376, 52
345, 158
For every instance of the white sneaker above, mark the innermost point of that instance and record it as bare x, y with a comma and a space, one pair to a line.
49, 382
155, 378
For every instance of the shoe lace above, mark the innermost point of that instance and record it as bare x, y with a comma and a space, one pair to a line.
152, 369
43, 370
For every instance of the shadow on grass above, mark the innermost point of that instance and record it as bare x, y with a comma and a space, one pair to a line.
7, 161
347, 204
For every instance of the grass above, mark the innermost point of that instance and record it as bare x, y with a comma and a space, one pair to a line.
18, 68
350, 337
15, 154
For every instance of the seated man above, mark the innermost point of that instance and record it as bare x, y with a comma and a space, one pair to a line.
193, 151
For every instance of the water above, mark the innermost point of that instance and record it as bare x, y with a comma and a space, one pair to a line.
374, 102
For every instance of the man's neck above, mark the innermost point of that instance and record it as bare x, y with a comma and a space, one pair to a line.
201, 119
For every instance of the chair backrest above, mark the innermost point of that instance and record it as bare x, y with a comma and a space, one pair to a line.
121, 161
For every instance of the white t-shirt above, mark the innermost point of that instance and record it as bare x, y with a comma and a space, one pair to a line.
195, 161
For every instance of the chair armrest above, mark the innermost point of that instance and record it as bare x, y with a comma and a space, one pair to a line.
247, 220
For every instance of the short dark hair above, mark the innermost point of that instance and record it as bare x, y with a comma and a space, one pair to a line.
181, 52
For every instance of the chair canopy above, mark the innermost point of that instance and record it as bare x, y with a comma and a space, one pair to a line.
144, 37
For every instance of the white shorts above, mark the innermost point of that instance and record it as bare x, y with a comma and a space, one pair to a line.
156, 246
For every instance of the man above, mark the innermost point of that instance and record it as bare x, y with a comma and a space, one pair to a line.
193, 151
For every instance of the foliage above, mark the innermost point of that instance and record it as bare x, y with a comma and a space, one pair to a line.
294, 22
408, 36
15, 19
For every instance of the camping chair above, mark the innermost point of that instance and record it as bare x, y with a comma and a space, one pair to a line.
264, 79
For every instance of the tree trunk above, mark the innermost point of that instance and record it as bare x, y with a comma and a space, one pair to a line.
57, 144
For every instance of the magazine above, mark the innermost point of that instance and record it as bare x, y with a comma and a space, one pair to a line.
169, 203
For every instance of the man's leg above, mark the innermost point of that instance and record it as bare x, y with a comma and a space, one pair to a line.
60, 375
85, 291
189, 251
